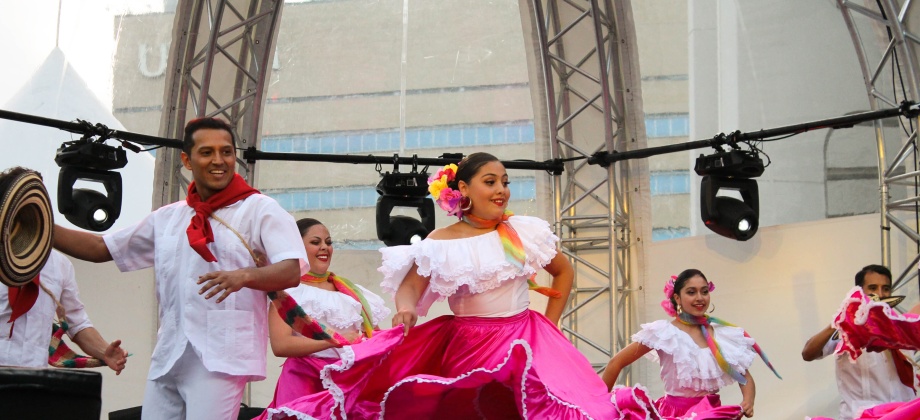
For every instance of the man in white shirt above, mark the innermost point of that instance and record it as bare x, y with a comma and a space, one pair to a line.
25, 341
27, 312
873, 378
207, 349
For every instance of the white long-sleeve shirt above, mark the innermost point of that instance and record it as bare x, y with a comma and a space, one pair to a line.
28, 346
869, 381
231, 336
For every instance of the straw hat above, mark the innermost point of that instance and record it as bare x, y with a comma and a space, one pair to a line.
26, 226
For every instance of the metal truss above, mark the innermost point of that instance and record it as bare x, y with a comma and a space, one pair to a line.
220, 59
590, 69
886, 45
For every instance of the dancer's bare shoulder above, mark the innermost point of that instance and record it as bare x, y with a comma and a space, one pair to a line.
459, 230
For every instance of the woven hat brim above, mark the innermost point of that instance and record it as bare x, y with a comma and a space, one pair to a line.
26, 227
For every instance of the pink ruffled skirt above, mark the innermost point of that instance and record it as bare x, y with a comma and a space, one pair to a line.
889, 411
460, 368
299, 377
634, 404
708, 407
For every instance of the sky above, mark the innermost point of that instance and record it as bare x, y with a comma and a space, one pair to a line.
87, 37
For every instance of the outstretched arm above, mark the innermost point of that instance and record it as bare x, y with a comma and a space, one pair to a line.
278, 276
563, 276
407, 296
623, 358
81, 245
814, 347
92, 343
747, 395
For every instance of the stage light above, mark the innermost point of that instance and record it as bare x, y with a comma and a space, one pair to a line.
90, 161
404, 190
729, 216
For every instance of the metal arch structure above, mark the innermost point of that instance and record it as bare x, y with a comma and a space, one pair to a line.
220, 59
589, 63
886, 42
221, 56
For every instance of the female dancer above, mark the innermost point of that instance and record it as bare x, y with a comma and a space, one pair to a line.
494, 358
699, 354
332, 300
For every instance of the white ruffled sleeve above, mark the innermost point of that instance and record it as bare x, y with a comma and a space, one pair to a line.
540, 243
736, 348
332, 308
685, 366
659, 335
396, 262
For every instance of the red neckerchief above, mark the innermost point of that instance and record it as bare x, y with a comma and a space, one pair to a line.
22, 299
199, 230
904, 368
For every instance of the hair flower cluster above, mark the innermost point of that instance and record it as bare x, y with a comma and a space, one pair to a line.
446, 197
438, 182
669, 291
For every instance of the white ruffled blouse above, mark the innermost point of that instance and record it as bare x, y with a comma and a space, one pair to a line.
337, 310
688, 370
472, 273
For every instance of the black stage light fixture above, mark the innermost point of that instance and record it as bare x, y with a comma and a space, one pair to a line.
90, 161
404, 190
732, 170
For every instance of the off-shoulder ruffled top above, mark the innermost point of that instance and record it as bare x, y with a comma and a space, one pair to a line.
337, 310
688, 370
472, 273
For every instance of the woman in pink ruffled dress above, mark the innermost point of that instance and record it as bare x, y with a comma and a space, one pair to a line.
699, 355
494, 358
334, 301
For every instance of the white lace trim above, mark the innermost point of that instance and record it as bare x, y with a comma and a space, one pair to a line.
527, 366
337, 309
860, 317
338, 396
647, 409
477, 262
692, 371
564, 404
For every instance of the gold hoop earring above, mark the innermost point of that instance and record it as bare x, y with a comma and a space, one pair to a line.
712, 307
466, 204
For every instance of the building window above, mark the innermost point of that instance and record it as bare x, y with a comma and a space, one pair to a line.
669, 183
439, 137
661, 234
667, 125
332, 198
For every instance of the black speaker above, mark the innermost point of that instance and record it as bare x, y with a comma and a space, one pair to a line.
50, 393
